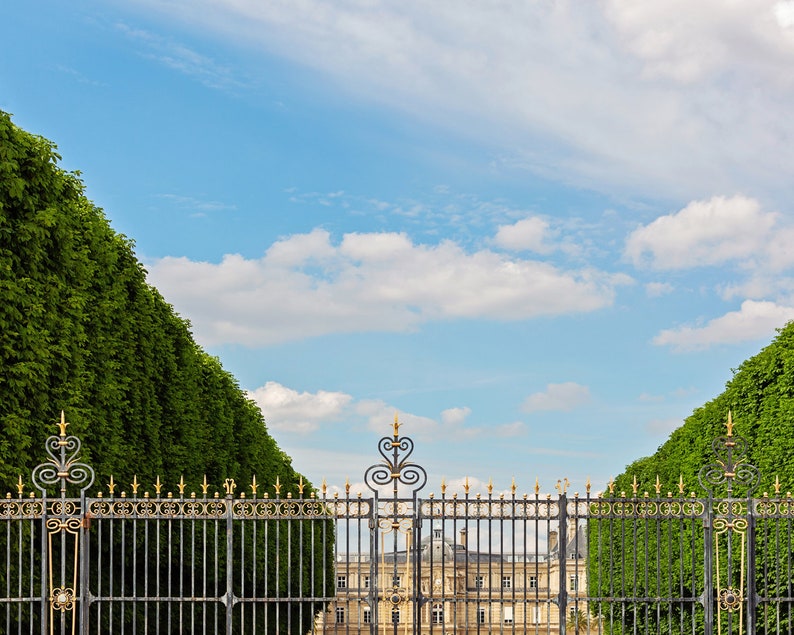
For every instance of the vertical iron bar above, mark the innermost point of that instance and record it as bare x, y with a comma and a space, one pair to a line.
708, 573
750, 572
229, 564
562, 597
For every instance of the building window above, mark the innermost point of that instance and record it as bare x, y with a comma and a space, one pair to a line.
536, 614
437, 616
366, 581
395, 616
366, 615
479, 582
533, 582
340, 614
481, 615
397, 581
341, 582
507, 582
574, 556
573, 583
507, 614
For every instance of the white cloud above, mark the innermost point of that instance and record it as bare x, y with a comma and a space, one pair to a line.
528, 234
703, 233
304, 286
455, 416
754, 320
565, 396
292, 411
676, 96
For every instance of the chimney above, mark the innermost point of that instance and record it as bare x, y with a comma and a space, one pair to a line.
572, 529
463, 537
552, 540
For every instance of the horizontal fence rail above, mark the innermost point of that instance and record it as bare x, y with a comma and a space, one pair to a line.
393, 562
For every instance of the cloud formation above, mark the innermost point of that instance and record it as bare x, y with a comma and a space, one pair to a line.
754, 320
699, 91
704, 233
561, 397
307, 286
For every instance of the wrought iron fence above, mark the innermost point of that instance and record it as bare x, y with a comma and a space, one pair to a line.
393, 562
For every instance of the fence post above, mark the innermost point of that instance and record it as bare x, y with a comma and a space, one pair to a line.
229, 555
708, 567
562, 542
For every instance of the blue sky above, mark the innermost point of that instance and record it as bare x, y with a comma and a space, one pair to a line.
542, 232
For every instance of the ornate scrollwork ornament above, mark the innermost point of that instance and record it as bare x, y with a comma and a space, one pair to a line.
729, 469
730, 599
395, 468
63, 467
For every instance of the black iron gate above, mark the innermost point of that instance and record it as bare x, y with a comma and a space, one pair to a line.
391, 562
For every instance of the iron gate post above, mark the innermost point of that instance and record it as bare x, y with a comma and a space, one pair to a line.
562, 596
752, 598
707, 598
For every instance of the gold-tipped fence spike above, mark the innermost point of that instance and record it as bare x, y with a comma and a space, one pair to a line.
634, 486
347, 486
513, 486
181, 485
466, 486
135, 484
324, 487
587, 485
537, 486
777, 484
300, 485
658, 485
229, 485
63, 424
443, 486
20, 485
729, 425
681, 484
254, 486
111, 486
204, 486
277, 487
611, 485
158, 485
396, 426
490, 486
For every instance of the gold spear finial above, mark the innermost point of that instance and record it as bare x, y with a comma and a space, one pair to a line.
158, 485
204, 485
62, 425
135, 484
466, 486
777, 485
181, 485
658, 485
443, 486
397, 425
681, 484
277, 487
20, 485
537, 486
253, 485
587, 485
513, 486
634, 485
111, 485
729, 425
490, 486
